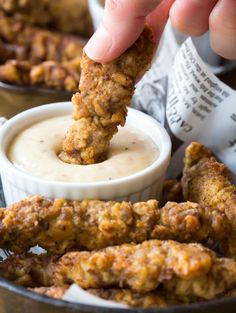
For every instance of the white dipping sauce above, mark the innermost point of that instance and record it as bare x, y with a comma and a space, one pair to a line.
35, 151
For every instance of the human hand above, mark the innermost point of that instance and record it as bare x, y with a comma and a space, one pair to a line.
195, 17
124, 21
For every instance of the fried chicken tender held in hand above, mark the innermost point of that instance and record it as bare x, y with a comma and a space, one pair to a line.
101, 105
181, 269
208, 182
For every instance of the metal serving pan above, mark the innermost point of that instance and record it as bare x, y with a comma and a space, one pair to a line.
15, 299
15, 99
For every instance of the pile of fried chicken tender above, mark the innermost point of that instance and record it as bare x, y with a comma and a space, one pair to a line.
36, 45
138, 254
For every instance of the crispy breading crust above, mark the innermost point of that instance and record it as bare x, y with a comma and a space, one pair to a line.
189, 222
208, 183
64, 15
172, 191
30, 11
126, 296
36, 57
62, 225
49, 74
11, 51
54, 292
182, 269
16, 72
231, 293
101, 105
71, 16
147, 300
41, 45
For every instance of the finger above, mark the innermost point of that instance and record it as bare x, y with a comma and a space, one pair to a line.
122, 24
158, 18
191, 17
223, 28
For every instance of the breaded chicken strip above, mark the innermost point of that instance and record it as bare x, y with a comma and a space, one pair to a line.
41, 45
101, 105
125, 296
62, 76
231, 293
11, 51
64, 15
54, 291
71, 16
208, 183
62, 225
36, 57
172, 191
48, 74
36, 12
182, 269
16, 72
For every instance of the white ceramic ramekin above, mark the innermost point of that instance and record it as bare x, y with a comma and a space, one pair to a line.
144, 185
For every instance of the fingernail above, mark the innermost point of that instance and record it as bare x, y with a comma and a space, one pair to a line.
99, 44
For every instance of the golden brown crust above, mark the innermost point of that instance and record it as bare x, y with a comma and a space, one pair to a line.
70, 16
208, 183
48, 74
30, 11
172, 191
54, 291
29, 270
16, 72
62, 225
126, 296
36, 57
147, 300
12, 51
41, 45
182, 269
189, 222
101, 105
51, 74
231, 293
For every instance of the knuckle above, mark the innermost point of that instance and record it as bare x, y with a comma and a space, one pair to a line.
188, 29
217, 21
229, 54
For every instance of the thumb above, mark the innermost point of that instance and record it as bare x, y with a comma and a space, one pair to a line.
122, 24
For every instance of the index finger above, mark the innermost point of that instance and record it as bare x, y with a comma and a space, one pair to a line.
122, 25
